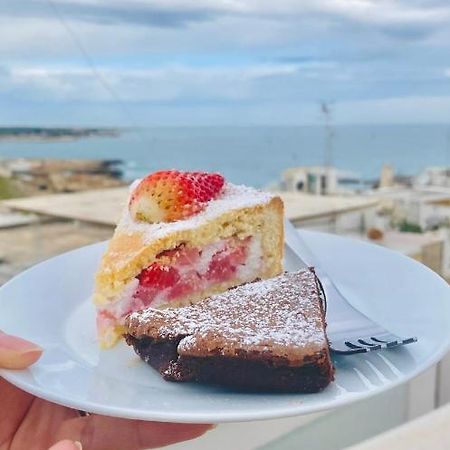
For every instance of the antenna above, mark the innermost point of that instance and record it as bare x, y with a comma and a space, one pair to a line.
447, 153
447, 157
329, 133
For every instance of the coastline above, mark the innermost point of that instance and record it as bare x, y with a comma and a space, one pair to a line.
24, 177
361, 149
33, 134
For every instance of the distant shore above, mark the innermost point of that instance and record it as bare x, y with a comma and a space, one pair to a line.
53, 134
27, 177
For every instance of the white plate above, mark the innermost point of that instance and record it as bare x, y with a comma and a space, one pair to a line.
49, 304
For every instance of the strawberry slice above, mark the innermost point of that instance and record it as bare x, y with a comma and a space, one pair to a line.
181, 255
153, 280
158, 276
224, 264
191, 282
171, 195
220, 269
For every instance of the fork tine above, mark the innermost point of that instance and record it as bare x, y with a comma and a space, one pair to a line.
400, 341
391, 340
368, 344
385, 338
378, 340
409, 340
349, 347
365, 342
352, 345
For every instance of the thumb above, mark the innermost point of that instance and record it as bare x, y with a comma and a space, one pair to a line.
17, 353
66, 445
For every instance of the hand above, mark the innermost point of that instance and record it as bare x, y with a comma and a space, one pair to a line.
28, 422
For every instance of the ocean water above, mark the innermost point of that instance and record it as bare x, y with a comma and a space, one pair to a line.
255, 155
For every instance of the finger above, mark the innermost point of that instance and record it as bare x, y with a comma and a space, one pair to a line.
14, 405
38, 426
66, 445
109, 433
17, 353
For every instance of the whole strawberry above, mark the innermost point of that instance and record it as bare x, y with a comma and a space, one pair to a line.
170, 195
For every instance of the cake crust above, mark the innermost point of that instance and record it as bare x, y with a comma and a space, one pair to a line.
268, 335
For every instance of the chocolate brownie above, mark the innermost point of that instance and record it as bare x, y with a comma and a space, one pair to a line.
263, 336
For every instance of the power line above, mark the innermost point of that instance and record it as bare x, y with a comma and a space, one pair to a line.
95, 72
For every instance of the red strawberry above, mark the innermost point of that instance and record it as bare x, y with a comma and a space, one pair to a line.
170, 195
181, 255
220, 268
190, 282
158, 276
224, 264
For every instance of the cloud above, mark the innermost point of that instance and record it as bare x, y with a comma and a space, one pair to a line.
401, 18
158, 26
252, 59
171, 83
112, 12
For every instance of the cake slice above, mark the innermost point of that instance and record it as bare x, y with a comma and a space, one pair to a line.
263, 336
183, 237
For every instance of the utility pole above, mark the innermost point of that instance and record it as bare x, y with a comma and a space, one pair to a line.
447, 158
329, 134
447, 153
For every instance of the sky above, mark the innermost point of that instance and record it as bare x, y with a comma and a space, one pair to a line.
223, 62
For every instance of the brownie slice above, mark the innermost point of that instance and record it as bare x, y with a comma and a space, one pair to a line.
263, 336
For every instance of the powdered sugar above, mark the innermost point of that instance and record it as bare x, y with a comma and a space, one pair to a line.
281, 316
233, 197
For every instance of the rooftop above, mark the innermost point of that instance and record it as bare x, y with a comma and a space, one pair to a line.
100, 206
300, 206
103, 206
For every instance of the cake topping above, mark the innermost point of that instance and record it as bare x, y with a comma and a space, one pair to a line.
232, 198
281, 317
171, 195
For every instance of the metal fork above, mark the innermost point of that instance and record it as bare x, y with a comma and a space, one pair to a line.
349, 330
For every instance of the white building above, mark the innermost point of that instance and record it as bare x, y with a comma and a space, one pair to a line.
433, 177
319, 180
333, 213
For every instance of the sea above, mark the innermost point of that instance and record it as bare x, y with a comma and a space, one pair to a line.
255, 155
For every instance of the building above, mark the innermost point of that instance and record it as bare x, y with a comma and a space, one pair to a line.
319, 180
433, 177
334, 214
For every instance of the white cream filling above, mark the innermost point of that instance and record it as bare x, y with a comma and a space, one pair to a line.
250, 270
120, 306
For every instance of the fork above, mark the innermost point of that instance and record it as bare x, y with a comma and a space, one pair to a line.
349, 330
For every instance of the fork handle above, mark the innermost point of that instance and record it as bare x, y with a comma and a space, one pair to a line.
298, 247
341, 315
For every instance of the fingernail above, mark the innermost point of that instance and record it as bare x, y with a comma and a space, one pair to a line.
17, 353
66, 444
18, 344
